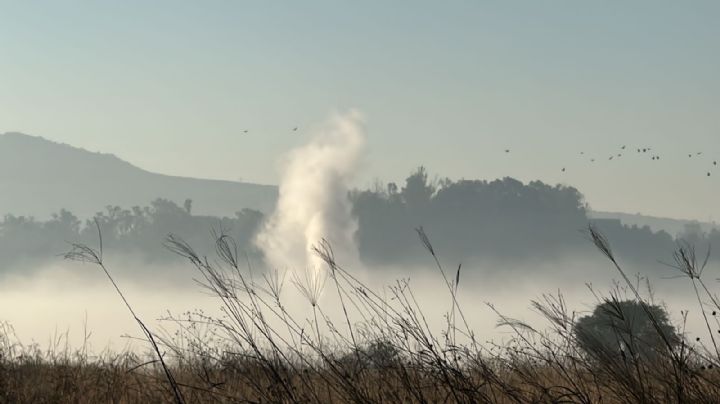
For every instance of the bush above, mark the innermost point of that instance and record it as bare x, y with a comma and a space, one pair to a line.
624, 328
378, 354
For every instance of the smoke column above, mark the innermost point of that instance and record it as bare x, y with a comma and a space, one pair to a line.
313, 202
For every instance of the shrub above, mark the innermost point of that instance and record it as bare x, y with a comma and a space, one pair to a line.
624, 328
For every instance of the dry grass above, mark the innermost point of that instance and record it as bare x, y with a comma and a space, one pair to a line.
386, 353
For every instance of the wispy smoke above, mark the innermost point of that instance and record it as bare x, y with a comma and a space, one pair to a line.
313, 201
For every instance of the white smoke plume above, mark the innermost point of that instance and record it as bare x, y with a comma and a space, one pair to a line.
313, 202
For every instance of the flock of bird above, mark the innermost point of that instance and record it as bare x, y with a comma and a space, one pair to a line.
623, 148
641, 150
293, 129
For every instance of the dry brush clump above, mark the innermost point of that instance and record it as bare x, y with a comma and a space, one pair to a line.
381, 347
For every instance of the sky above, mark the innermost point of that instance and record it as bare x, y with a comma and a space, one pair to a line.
171, 86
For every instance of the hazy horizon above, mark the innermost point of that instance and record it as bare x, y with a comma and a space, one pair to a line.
162, 82
627, 215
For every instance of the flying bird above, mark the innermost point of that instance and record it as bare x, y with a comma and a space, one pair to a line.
295, 129
714, 163
563, 169
623, 147
507, 150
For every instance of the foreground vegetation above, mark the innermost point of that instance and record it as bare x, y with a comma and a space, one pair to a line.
382, 349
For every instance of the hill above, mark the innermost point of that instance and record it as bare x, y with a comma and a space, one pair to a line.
38, 177
672, 226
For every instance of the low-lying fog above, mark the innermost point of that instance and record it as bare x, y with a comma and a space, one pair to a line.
72, 297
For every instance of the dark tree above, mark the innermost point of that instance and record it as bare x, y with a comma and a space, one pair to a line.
467, 218
624, 328
378, 354
137, 232
418, 191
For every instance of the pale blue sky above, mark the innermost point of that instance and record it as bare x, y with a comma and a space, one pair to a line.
171, 85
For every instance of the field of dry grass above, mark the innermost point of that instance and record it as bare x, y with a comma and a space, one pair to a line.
391, 355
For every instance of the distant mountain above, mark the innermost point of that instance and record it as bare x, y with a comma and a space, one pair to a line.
38, 177
672, 226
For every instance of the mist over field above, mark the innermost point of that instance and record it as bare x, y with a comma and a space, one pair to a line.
73, 297
530, 241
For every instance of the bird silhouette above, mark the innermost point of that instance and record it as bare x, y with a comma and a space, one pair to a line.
653, 157
295, 129
714, 163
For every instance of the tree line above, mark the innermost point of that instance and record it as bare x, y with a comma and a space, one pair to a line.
466, 219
